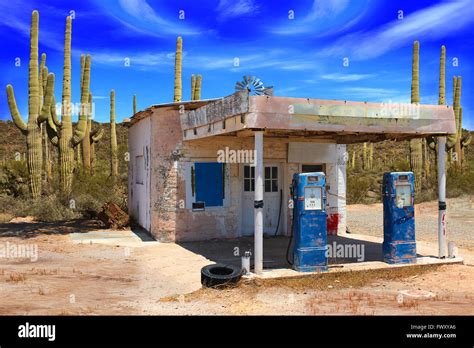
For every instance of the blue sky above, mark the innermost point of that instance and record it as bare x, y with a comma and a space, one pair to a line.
301, 56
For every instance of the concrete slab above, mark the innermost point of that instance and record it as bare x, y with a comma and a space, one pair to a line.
112, 237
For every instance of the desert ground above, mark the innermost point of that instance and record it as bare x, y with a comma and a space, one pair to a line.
83, 270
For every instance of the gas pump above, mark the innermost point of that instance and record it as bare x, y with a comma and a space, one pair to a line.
399, 245
309, 222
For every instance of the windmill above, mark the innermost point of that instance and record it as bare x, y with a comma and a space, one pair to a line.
254, 85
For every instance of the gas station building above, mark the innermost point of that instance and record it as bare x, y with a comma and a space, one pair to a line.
181, 190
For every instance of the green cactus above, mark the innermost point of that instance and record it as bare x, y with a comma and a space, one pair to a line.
178, 62
193, 85
364, 157
44, 135
113, 138
371, 156
454, 141
61, 132
416, 150
197, 88
32, 129
85, 147
134, 104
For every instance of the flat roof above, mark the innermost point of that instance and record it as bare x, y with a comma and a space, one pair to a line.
339, 121
336, 120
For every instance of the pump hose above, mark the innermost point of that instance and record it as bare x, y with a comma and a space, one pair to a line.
292, 223
279, 213
291, 240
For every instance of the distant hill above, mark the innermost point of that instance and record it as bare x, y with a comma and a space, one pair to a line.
13, 141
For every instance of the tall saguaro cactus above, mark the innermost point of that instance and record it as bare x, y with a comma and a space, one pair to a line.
32, 129
456, 141
416, 150
113, 138
134, 104
61, 132
85, 147
178, 64
197, 88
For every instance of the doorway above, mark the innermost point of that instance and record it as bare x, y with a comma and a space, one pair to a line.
271, 197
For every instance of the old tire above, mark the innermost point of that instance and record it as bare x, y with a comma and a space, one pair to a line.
219, 275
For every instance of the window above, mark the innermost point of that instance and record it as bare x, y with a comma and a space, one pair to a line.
209, 183
249, 178
139, 169
271, 179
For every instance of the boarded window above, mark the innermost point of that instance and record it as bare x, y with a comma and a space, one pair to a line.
139, 169
209, 183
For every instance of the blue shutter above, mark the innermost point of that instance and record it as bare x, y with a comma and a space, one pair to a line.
209, 183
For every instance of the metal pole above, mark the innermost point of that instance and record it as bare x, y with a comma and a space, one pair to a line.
442, 197
258, 203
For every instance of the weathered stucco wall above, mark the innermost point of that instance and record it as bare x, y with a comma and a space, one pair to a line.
139, 137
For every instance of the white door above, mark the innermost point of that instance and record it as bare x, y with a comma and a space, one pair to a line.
271, 199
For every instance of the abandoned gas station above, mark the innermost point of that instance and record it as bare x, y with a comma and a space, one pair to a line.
179, 190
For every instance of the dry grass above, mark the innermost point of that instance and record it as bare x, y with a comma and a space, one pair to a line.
16, 277
322, 282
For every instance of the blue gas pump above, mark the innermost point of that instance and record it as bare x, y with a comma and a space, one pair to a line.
399, 244
309, 222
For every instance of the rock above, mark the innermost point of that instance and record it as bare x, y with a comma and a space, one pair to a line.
113, 217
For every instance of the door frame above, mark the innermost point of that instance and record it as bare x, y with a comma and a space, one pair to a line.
281, 181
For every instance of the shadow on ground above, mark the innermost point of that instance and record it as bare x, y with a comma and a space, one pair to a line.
27, 230
229, 251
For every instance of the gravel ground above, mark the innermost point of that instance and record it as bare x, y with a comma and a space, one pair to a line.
368, 219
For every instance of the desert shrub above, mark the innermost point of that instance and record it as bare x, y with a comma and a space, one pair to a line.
14, 178
357, 188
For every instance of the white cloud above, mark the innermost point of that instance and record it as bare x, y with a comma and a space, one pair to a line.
227, 9
320, 11
430, 23
141, 10
346, 77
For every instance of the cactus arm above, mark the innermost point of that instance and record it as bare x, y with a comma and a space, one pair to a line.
134, 104
80, 131
197, 88
48, 98
97, 135
21, 125
54, 116
442, 76
51, 127
466, 141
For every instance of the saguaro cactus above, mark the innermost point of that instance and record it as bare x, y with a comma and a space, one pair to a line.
134, 104
85, 147
197, 88
416, 150
32, 129
61, 132
193, 85
178, 62
456, 142
113, 138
